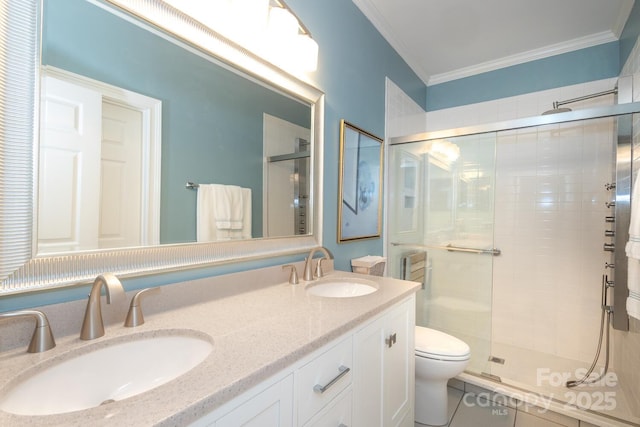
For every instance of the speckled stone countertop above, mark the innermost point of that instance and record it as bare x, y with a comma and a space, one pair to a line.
259, 325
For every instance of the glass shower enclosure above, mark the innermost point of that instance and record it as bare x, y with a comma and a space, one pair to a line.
513, 219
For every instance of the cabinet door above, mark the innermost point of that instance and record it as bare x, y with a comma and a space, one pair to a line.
384, 369
271, 408
399, 366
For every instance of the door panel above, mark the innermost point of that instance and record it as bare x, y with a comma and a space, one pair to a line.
121, 185
448, 215
69, 155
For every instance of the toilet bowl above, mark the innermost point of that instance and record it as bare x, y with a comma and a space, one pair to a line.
439, 357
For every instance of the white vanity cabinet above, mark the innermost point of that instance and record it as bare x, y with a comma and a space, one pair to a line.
383, 383
363, 379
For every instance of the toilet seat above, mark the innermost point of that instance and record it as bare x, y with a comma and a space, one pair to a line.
433, 344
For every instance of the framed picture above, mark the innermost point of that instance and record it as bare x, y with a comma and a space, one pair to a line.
360, 195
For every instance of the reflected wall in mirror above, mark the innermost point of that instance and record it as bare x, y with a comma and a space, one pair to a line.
196, 107
211, 126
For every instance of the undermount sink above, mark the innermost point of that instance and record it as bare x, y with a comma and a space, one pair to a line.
343, 287
105, 372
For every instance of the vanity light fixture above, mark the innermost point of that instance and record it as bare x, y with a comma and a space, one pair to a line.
268, 28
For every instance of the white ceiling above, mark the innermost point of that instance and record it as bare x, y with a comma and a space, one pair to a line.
443, 40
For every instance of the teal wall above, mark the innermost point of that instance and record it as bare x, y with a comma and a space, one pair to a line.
218, 141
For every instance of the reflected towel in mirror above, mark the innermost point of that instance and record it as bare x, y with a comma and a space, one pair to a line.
223, 212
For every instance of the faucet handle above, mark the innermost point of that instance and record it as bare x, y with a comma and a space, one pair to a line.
319, 272
42, 338
134, 315
293, 276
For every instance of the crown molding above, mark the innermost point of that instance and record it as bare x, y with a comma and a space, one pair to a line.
521, 58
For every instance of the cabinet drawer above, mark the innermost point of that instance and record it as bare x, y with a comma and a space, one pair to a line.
322, 379
337, 413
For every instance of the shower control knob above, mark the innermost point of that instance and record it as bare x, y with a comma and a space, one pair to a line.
610, 219
609, 247
609, 233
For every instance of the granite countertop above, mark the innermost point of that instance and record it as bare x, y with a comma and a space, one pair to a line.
259, 325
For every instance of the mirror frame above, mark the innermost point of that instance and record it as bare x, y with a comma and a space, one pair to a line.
21, 270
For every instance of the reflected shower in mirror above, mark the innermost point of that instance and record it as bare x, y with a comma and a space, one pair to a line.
155, 114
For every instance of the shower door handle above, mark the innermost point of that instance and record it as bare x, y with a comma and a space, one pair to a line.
493, 251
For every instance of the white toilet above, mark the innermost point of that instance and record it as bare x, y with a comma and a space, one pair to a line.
439, 357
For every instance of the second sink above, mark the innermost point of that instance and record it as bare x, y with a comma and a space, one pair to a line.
105, 372
342, 287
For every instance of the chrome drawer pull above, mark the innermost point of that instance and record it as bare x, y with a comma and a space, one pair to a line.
321, 389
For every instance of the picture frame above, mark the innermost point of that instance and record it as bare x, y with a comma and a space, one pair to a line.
360, 184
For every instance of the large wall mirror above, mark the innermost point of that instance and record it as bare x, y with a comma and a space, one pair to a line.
126, 119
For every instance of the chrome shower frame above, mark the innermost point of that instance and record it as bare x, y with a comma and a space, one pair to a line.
619, 317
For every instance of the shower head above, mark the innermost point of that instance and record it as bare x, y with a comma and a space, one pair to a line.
557, 110
556, 105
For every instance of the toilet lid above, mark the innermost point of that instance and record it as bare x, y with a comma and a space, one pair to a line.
432, 342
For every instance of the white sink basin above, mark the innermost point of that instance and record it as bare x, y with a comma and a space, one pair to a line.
105, 372
343, 287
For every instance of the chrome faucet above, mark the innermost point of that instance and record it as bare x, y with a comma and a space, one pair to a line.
42, 338
134, 315
93, 326
308, 269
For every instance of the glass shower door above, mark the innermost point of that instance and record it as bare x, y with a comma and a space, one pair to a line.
441, 205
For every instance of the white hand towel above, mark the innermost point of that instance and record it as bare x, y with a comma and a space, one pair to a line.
228, 207
223, 213
206, 230
633, 305
632, 250
245, 231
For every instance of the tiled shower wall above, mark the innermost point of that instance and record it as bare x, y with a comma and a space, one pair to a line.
403, 115
549, 224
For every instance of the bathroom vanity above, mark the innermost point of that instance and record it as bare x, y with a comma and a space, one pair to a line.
280, 355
